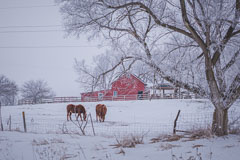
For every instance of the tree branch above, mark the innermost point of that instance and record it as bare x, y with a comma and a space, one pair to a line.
229, 34
190, 28
231, 62
148, 10
233, 92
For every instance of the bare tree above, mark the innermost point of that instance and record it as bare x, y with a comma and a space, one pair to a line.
89, 76
8, 91
104, 71
36, 91
191, 43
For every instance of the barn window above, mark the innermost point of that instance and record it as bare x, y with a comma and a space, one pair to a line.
100, 96
114, 93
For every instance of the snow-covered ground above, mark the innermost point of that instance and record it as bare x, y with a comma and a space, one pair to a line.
50, 136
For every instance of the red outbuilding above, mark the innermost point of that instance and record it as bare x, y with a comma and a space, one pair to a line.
126, 87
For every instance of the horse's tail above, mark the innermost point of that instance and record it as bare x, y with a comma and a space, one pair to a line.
69, 110
84, 110
103, 110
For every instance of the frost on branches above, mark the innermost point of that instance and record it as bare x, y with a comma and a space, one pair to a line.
191, 43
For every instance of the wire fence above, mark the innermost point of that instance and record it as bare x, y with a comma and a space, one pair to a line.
56, 125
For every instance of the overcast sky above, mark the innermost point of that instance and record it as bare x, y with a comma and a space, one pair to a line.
34, 46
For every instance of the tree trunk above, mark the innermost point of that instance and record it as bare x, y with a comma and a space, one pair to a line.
220, 122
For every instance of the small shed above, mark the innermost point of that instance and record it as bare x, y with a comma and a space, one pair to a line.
163, 90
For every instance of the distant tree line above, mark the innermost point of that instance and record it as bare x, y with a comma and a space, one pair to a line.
33, 90
8, 90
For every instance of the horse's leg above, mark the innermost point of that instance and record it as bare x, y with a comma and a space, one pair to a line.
70, 113
77, 116
67, 117
103, 118
80, 116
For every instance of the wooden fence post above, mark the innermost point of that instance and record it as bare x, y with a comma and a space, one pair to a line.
10, 123
175, 122
24, 122
1, 117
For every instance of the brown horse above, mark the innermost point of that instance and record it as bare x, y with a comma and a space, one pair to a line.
101, 111
79, 109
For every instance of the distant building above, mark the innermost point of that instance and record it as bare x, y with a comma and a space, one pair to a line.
126, 87
163, 90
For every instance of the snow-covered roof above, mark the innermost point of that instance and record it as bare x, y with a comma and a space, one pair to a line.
133, 76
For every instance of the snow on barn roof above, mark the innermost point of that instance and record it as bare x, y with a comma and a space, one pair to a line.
126, 74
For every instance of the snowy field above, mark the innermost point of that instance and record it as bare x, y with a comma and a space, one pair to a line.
50, 136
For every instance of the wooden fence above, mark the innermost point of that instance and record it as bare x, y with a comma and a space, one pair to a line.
116, 98
107, 98
52, 100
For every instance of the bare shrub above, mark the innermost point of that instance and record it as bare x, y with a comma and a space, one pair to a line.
234, 122
201, 133
229, 146
121, 151
39, 143
64, 129
166, 138
188, 135
49, 152
197, 156
197, 146
168, 146
126, 142
46, 142
129, 141
234, 130
47, 149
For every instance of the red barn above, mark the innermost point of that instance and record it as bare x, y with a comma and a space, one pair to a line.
126, 87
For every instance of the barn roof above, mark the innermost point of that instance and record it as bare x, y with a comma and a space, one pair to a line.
132, 75
87, 93
99, 91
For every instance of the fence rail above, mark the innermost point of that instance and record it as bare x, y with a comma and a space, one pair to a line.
52, 100
107, 98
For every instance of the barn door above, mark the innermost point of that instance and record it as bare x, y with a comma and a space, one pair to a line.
140, 94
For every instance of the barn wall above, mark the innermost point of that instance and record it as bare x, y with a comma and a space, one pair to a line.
125, 85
